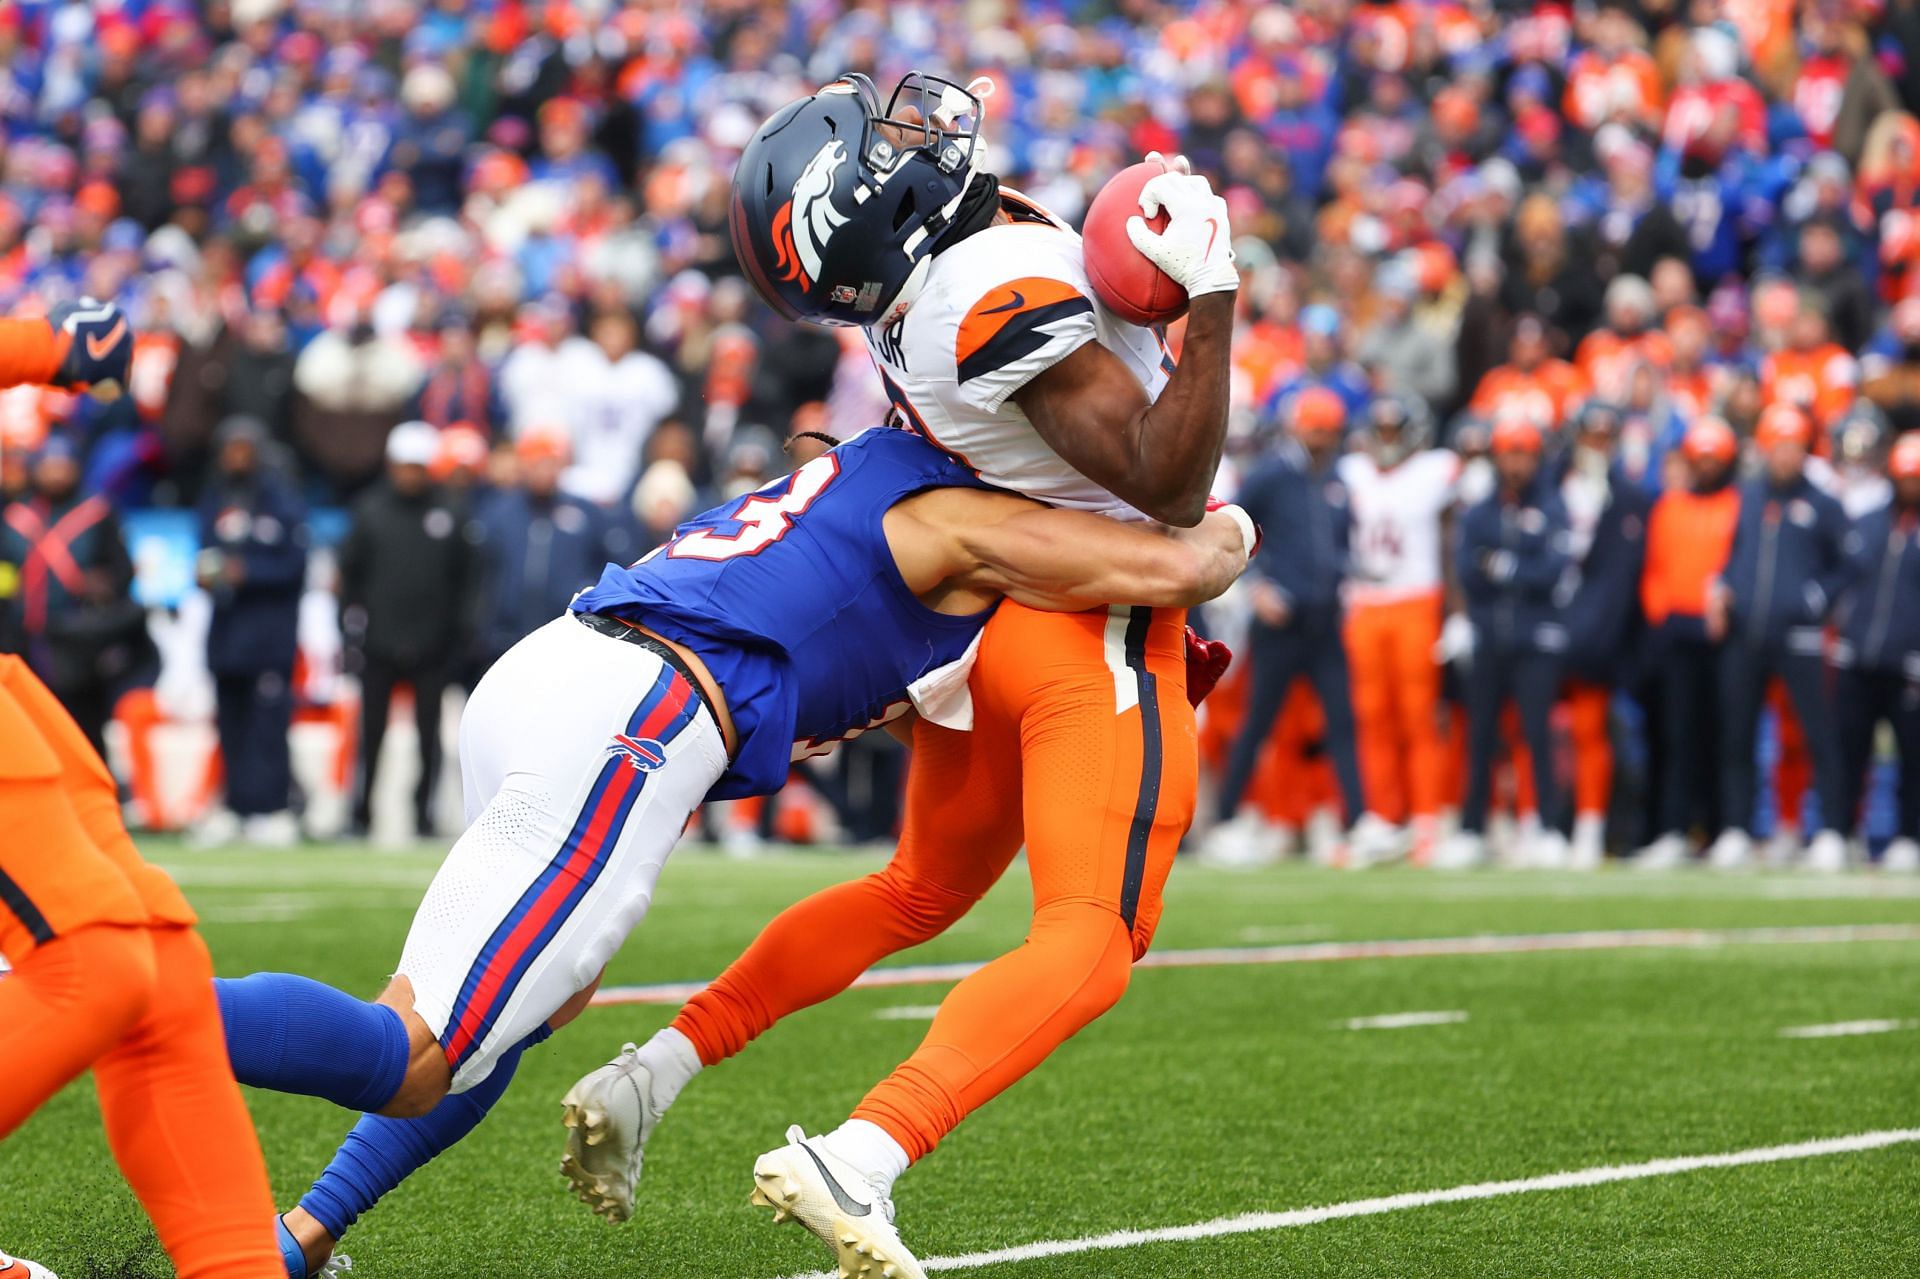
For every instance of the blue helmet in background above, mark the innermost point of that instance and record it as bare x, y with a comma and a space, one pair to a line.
839, 204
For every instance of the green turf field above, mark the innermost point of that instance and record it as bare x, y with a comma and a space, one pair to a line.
1210, 1092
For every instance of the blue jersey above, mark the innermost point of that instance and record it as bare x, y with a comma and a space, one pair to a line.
791, 597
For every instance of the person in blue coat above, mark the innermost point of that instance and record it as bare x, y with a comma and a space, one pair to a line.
1607, 518
538, 546
1786, 570
1513, 552
1877, 659
253, 562
1301, 507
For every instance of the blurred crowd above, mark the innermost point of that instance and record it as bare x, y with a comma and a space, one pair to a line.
502, 224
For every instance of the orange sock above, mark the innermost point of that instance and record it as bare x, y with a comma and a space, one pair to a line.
179, 1129
71, 999
1079, 953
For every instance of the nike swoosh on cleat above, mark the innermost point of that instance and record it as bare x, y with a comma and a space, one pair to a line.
99, 347
848, 1203
1019, 300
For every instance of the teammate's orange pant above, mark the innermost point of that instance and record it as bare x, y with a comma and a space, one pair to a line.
1082, 738
109, 973
1396, 704
1588, 706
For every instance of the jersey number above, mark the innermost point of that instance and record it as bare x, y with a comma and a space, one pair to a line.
764, 518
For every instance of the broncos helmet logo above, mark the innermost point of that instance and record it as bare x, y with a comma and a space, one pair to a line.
804, 223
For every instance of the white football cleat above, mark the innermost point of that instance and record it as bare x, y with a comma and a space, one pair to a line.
1732, 851
609, 1115
1548, 850
1669, 852
21, 1268
806, 1182
1462, 850
1902, 857
1781, 850
1827, 854
1374, 841
1588, 850
1240, 843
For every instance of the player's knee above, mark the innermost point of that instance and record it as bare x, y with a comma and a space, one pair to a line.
921, 908
1092, 951
425, 1085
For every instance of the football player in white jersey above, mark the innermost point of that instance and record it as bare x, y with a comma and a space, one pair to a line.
1401, 492
994, 346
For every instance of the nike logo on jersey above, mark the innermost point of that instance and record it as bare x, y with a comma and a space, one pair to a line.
98, 348
1019, 300
848, 1204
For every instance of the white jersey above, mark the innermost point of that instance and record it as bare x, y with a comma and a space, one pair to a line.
1395, 541
998, 309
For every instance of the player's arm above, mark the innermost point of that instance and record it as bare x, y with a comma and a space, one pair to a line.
1158, 455
1064, 561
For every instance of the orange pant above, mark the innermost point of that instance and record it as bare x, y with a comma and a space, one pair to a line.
1083, 741
1396, 705
1794, 771
109, 973
1588, 706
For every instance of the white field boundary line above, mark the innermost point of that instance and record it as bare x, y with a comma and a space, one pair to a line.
1838, 1029
1256, 1222
1334, 951
1401, 1021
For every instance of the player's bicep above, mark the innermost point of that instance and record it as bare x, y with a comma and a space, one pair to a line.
1087, 408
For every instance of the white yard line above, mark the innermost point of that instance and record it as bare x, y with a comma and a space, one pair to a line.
1333, 951
908, 1012
1253, 1222
1400, 1021
1836, 1029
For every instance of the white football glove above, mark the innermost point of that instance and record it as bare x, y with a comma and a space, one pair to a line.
1456, 641
1196, 249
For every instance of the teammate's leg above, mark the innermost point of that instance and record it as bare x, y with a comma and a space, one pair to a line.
1588, 706
1279, 656
376, 702
1415, 632
1369, 656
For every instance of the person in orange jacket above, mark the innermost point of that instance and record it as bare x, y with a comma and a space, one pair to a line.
1689, 535
108, 972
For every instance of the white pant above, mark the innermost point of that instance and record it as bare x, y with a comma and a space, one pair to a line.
583, 756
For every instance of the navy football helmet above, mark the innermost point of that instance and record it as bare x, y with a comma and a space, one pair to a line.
839, 203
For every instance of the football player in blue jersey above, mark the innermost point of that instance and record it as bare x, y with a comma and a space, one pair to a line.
829, 602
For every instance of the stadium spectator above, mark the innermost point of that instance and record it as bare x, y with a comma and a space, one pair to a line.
354, 383
253, 562
66, 580
409, 595
1408, 352
1785, 571
1689, 534
1301, 506
1533, 383
459, 386
538, 546
1511, 557
1606, 521
615, 395
1877, 657
1892, 370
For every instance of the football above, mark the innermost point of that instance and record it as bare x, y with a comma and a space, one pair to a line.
1128, 282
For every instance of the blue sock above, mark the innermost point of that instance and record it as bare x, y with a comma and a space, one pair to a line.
294, 1034
380, 1153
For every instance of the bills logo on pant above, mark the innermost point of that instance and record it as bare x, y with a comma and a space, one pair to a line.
644, 753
